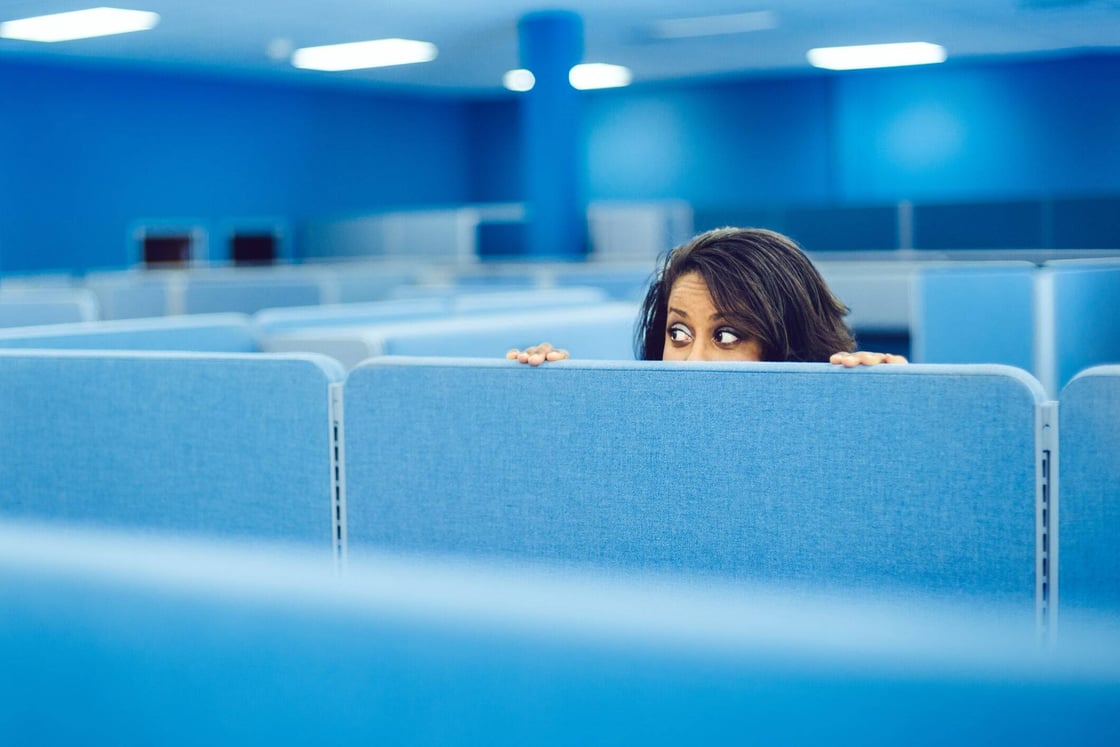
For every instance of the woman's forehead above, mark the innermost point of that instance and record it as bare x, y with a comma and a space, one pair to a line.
691, 290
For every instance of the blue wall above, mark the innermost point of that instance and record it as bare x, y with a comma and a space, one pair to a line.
960, 132
756, 141
89, 152
948, 132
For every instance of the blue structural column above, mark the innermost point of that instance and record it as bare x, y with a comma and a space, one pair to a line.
551, 42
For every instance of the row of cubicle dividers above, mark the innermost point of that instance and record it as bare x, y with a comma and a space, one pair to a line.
952, 480
984, 493
1052, 317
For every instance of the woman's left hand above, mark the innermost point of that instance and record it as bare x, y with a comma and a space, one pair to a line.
864, 358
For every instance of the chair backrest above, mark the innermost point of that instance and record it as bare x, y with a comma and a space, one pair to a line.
204, 643
217, 333
1089, 500
916, 477
219, 444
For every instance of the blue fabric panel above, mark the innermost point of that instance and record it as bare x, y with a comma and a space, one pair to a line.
222, 444
131, 296
361, 284
629, 284
1089, 500
916, 477
278, 321
878, 293
596, 331
203, 644
537, 298
975, 314
26, 313
1086, 315
204, 333
248, 297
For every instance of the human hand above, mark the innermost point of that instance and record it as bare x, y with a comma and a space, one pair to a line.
864, 358
537, 354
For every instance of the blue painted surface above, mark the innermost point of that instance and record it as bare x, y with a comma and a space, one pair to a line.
102, 149
87, 153
551, 43
960, 132
753, 141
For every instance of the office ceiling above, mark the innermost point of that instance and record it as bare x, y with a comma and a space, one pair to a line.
477, 39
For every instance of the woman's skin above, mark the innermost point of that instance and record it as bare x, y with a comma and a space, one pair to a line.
695, 331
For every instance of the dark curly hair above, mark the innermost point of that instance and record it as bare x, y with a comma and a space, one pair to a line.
761, 282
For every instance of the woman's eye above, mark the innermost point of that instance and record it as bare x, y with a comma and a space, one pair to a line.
679, 333
727, 337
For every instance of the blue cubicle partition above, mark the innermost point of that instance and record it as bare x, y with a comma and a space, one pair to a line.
231, 445
37, 306
135, 295
248, 295
975, 313
1053, 320
1083, 299
1089, 501
118, 639
214, 333
597, 331
919, 478
426, 303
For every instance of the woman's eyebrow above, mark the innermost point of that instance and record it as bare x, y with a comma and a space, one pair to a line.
678, 311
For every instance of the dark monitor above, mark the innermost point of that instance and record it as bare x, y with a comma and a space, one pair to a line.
253, 248
166, 250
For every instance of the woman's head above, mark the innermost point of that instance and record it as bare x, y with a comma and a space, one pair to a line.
740, 294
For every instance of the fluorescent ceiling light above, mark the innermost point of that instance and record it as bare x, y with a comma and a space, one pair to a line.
732, 23
78, 24
876, 55
519, 80
598, 75
360, 55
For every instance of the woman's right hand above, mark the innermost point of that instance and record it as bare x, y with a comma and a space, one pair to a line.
537, 354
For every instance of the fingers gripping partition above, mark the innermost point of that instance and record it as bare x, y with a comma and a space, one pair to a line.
910, 478
231, 445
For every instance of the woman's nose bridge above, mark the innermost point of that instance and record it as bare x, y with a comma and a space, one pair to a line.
698, 351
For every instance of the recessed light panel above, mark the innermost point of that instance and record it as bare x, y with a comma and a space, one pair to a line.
364, 54
592, 75
519, 80
78, 24
698, 26
876, 55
